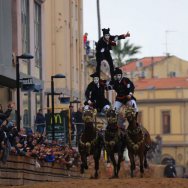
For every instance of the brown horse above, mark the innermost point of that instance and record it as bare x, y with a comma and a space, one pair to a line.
114, 141
90, 142
138, 141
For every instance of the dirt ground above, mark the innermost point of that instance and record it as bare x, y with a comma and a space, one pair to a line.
152, 179
113, 183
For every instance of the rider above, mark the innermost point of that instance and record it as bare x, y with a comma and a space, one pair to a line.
124, 88
103, 47
95, 94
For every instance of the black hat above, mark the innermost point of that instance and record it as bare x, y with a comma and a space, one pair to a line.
94, 75
106, 31
118, 71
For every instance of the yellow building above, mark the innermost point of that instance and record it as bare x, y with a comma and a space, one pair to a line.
156, 67
163, 107
63, 29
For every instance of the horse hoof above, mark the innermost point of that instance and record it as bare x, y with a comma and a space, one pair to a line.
146, 165
141, 175
113, 177
93, 177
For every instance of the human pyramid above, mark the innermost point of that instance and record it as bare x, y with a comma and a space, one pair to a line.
114, 138
123, 86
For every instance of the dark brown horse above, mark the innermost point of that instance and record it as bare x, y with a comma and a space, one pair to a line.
91, 142
138, 141
114, 141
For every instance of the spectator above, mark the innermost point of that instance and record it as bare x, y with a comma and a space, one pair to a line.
40, 122
170, 171
85, 39
11, 114
87, 46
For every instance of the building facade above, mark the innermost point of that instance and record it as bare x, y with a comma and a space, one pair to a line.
163, 107
156, 67
21, 33
64, 51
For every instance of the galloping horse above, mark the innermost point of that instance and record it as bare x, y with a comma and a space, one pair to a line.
114, 141
91, 142
138, 141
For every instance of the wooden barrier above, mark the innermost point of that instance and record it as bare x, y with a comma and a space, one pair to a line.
20, 170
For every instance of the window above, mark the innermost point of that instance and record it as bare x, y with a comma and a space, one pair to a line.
166, 122
25, 31
38, 47
172, 74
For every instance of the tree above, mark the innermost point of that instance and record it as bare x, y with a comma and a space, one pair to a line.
120, 52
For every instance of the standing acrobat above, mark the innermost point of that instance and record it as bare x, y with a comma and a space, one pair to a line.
103, 47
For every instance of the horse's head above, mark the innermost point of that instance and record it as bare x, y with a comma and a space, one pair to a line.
111, 116
130, 113
89, 115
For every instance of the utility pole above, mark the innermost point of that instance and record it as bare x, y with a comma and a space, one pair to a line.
166, 41
99, 19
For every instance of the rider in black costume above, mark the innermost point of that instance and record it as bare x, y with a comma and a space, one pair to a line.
95, 94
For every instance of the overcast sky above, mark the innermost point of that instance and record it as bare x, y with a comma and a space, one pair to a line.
150, 22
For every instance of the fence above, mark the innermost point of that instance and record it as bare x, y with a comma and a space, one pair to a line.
19, 170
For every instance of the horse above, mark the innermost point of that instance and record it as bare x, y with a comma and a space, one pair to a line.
114, 141
138, 141
90, 142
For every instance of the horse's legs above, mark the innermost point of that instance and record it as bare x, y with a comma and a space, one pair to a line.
120, 158
145, 159
96, 158
132, 167
141, 156
84, 163
112, 158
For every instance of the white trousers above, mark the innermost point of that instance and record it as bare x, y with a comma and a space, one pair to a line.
132, 102
106, 107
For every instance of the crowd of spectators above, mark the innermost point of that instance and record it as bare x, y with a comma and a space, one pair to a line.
34, 145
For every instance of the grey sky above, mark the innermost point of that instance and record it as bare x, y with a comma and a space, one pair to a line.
146, 20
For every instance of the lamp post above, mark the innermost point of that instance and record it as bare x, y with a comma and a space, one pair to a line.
52, 101
23, 56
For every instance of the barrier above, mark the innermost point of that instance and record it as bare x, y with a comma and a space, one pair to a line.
19, 170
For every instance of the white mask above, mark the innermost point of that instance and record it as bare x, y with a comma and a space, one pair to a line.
96, 80
119, 76
107, 37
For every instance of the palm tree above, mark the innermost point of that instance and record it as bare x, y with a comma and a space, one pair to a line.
120, 52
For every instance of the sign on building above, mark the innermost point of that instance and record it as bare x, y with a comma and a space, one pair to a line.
61, 125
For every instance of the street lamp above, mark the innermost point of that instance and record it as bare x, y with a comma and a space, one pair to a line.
23, 56
52, 94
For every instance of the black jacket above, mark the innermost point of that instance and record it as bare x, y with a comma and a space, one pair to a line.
107, 46
123, 88
96, 94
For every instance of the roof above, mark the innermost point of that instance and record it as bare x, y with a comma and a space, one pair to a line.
146, 61
162, 83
